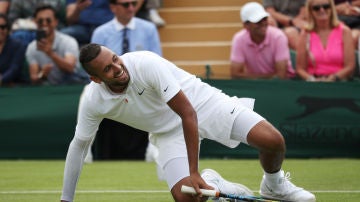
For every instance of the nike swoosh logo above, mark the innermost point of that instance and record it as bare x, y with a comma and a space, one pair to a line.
268, 188
140, 93
166, 88
232, 111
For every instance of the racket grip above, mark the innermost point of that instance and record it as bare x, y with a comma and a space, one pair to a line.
191, 190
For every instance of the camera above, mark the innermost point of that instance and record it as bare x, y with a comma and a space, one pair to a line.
40, 34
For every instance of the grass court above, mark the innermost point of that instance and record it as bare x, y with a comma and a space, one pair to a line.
136, 181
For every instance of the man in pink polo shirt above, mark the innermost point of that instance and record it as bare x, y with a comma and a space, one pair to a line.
259, 51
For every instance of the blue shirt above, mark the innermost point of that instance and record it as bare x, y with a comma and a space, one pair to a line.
96, 14
12, 59
143, 35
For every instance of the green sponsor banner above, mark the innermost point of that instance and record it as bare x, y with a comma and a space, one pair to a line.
37, 122
316, 119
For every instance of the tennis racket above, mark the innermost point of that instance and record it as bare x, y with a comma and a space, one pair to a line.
213, 193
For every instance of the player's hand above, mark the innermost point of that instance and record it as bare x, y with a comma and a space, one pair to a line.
198, 183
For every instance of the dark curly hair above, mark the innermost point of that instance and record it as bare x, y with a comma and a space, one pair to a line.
87, 54
42, 7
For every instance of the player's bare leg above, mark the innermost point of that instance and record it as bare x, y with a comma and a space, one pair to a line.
270, 143
275, 183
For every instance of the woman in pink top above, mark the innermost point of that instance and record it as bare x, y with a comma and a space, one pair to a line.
325, 51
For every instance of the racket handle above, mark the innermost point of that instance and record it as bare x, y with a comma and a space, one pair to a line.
205, 192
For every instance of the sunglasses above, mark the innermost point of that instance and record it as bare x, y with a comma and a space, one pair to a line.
40, 21
4, 26
127, 4
318, 7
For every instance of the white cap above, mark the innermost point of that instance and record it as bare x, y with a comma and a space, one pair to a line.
253, 12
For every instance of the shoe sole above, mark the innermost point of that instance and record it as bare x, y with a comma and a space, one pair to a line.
276, 199
269, 197
281, 200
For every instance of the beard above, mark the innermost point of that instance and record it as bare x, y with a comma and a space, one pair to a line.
119, 81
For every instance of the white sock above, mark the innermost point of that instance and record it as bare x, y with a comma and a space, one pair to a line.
273, 177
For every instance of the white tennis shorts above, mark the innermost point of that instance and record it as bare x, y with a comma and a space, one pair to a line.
172, 146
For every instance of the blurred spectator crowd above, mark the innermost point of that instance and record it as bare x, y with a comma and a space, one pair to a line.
311, 40
40, 39
322, 37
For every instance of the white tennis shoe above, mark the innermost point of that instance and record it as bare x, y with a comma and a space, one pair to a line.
215, 180
284, 190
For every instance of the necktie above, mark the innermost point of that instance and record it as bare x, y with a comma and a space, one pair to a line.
125, 43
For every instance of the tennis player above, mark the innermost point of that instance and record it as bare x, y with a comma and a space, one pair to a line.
150, 93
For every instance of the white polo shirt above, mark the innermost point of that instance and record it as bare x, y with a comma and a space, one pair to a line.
153, 82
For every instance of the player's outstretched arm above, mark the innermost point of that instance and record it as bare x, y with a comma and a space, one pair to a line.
73, 165
182, 106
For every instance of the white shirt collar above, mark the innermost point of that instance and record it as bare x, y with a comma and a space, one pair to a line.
119, 26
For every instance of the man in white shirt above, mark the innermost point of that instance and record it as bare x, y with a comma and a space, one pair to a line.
147, 92
140, 35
